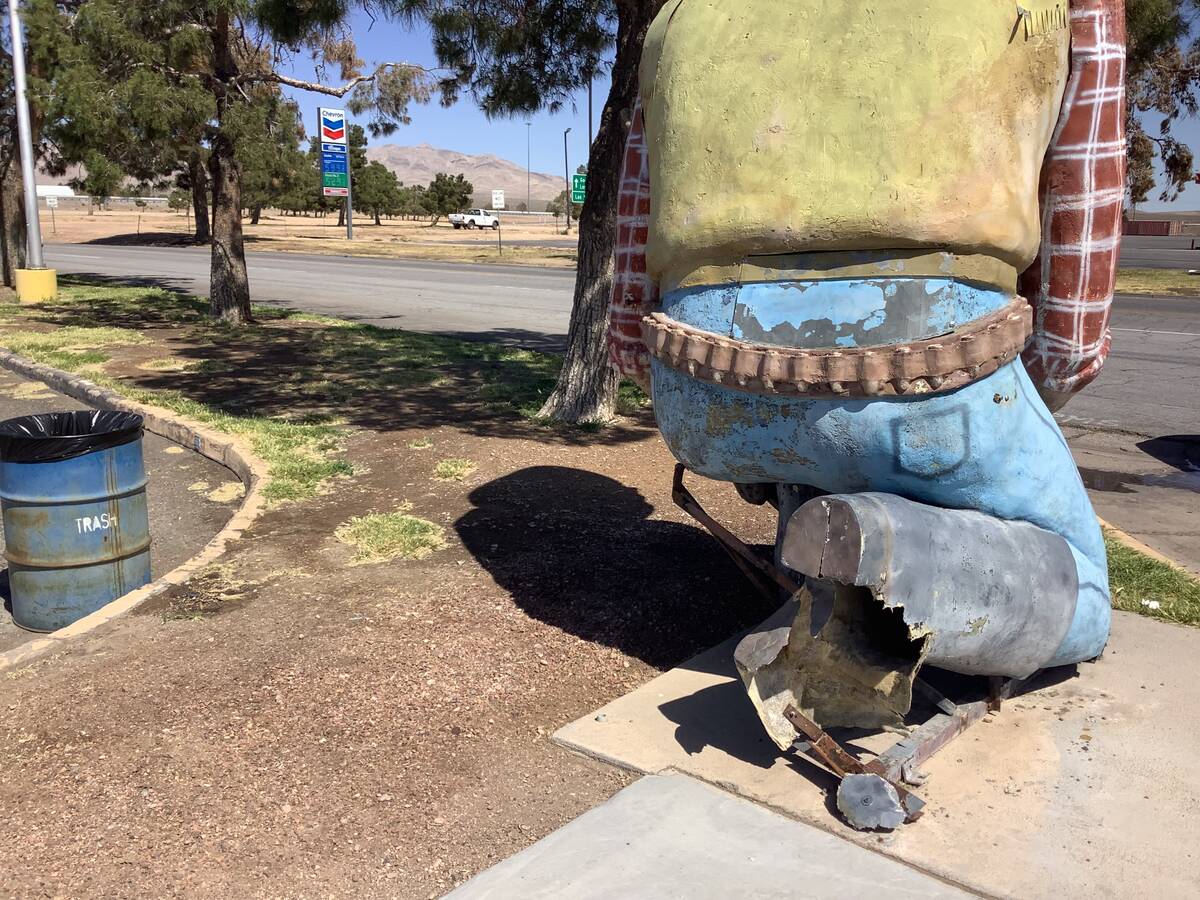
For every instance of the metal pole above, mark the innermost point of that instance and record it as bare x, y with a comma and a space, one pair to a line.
349, 199
528, 167
567, 173
33, 226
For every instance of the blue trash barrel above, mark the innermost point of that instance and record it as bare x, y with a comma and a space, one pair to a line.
76, 532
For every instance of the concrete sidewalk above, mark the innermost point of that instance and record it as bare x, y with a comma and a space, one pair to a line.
1084, 787
670, 836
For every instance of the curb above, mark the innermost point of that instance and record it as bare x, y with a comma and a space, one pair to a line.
1145, 549
230, 452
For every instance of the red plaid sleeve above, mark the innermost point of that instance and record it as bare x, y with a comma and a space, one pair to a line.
633, 292
1071, 282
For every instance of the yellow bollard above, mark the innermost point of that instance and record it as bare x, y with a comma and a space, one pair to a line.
36, 285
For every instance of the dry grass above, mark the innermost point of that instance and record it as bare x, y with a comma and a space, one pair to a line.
453, 469
1170, 282
382, 537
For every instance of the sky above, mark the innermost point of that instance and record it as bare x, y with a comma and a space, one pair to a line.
465, 129
462, 127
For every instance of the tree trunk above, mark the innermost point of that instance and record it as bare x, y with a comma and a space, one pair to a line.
229, 285
12, 223
342, 216
587, 385
377, 222
199, 179
255, 213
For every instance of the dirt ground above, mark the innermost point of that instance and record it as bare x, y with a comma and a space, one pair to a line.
293, 725
308, 234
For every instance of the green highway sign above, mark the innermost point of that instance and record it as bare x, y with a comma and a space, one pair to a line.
579, 189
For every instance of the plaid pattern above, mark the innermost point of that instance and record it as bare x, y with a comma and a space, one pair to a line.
1070, 284
634, 294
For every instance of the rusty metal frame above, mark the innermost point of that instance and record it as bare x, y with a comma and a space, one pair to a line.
761, 573
900, 764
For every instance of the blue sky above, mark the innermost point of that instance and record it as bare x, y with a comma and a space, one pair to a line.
464, 128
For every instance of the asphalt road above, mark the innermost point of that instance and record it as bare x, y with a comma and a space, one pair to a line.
1160, 252
510, 304
1151, 384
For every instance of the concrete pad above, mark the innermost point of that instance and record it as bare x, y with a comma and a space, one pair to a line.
674, 837
1084, 787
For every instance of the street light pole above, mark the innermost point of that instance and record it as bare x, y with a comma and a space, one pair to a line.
33, 228
566, 174
528, 167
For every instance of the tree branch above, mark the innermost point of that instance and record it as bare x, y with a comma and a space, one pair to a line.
332, 90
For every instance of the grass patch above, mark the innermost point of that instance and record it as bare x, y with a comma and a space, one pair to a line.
71, 360
76, 340
453, 469
291, 385
1170, 282
298, 455
382, 537
1148, 587
169, 364
420, 444
631, 399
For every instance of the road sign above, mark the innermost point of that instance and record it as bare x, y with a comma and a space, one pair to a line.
52, 202
579, 189
497, 199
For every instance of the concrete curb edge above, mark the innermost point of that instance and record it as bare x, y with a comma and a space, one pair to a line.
230, 452
1145, 549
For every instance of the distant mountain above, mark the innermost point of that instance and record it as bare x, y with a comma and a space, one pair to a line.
487, 173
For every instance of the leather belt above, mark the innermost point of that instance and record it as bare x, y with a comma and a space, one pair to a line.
931, 366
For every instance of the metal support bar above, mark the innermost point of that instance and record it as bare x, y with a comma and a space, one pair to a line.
842, 763
761, 572
33, 226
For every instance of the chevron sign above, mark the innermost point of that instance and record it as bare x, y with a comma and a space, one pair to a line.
332, 125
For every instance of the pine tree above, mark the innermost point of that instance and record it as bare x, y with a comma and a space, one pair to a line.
230, 52
447, 194
377, 192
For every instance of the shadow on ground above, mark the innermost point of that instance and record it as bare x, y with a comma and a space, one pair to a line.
1179, 450
579, 551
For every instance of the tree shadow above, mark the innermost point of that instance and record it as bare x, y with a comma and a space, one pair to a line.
580, 551
149, 239
293, 365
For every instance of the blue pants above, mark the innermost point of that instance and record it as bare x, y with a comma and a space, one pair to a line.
991, 446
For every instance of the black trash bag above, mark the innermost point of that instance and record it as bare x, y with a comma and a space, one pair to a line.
55, 436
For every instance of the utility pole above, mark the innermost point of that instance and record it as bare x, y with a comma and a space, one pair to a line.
566, 174
528, 167
35, 282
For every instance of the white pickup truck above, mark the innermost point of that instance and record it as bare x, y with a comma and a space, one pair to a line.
475, 218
